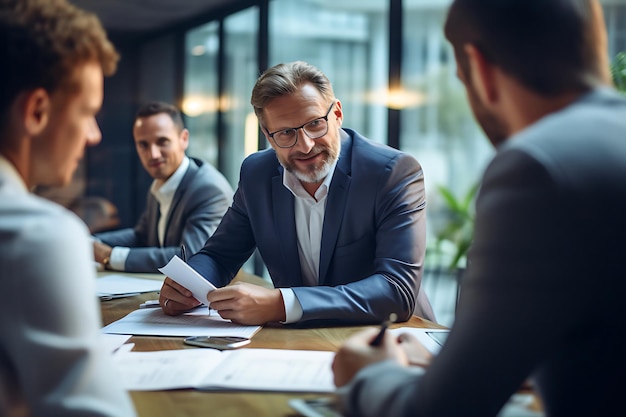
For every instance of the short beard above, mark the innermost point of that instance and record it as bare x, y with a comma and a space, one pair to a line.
317, 176
314, 177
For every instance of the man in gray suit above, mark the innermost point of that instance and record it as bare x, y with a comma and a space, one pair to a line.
186, 202
338, 219
543, 297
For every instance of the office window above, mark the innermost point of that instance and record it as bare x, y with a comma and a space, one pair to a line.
348, 41
437, 125
615, 17
240, 73
201, 102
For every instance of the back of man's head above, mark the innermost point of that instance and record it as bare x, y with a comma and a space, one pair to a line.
549, 46
157, 107
42, 41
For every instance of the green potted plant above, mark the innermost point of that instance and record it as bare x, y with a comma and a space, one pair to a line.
459, 227
618, 71
454, 237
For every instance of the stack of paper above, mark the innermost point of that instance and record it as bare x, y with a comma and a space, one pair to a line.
116, 286
199, 322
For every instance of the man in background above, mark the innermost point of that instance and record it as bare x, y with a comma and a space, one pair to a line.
186, 201
52, 362
542, 297
338, 219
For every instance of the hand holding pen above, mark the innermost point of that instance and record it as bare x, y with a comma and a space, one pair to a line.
362, 349
383, 328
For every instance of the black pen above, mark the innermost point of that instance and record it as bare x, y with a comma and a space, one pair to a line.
183, 253
383, 327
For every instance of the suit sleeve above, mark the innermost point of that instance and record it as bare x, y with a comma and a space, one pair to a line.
194, 220
399, 232
516, 279
195, 214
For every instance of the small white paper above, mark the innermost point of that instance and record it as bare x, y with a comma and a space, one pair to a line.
113, 342
181, 272
422, 334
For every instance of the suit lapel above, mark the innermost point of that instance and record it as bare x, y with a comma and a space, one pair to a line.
153, 221
285, 224
335, 208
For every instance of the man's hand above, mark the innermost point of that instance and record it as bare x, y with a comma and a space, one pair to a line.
415, 351
176, 299
101, 251
248, 304
356, 353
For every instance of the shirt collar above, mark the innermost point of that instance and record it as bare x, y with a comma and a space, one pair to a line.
11, 177
168, 188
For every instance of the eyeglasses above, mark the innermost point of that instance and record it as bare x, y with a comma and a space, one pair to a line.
315, 129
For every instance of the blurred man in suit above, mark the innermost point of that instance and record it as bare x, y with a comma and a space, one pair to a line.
338, 219
52, 362
543, 293
186, 201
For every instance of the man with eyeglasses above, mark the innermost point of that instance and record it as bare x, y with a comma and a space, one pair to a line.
338, 220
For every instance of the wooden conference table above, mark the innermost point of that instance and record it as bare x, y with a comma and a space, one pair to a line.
191, 403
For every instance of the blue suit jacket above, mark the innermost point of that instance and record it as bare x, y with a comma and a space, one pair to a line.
200, 201
373, 235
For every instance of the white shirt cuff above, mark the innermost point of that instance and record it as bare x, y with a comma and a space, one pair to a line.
293, 309
117, 261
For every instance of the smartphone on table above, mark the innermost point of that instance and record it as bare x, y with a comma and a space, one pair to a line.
217, 342
316, 407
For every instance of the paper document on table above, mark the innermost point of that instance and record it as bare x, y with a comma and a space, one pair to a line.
181, 272
276, 370
432, 339
198, 322
112, 342
115, 286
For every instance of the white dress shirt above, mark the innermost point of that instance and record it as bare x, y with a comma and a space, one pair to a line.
164, 194
309, 213
51, 357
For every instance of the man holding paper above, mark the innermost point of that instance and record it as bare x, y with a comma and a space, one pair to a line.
338, 219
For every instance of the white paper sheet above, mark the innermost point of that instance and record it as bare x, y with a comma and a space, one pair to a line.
244, 369
112, 342
422, 335
181, 272
115, 286
199, 322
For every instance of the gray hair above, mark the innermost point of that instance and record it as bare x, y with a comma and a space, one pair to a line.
285, 79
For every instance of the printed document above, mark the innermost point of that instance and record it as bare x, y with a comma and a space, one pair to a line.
199, 322
249, 369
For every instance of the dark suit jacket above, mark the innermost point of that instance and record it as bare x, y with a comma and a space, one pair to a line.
200, 201
543, 295
373, 235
